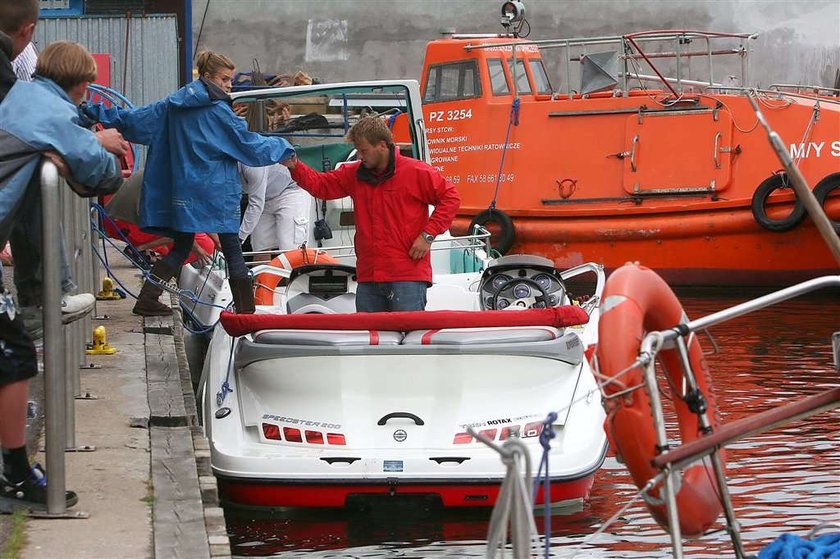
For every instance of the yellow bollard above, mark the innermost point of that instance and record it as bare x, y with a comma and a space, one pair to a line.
107, 293
100, 345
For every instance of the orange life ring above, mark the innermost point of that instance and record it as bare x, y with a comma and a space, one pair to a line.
637, 301
267, 282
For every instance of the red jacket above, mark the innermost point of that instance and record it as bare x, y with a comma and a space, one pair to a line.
389, 216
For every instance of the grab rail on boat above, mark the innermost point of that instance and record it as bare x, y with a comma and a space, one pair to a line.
629, 50
772, 92
477, 241
816, 89
750, 306
671, 462
693, 451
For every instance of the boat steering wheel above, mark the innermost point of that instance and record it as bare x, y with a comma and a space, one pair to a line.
536, 294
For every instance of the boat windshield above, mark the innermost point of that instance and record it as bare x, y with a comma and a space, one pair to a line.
316, 120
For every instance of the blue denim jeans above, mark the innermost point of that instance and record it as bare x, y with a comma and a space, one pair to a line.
230, 248
391, 296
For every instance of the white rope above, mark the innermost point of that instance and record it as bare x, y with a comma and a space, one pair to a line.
513, 512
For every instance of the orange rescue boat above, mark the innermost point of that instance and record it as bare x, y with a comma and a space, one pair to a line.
627, 163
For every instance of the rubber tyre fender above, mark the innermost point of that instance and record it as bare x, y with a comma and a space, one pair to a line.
505, 239
822, 191
759, 200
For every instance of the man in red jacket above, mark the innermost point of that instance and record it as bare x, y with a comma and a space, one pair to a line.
391, 197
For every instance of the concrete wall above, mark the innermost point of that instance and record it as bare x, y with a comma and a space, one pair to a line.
339, 40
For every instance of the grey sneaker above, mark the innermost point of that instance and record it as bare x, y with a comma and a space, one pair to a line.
74, 307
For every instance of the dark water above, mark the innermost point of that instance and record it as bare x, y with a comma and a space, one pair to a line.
785, 480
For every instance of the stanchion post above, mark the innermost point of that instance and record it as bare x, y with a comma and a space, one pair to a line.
55, 387
70, 388
86, 277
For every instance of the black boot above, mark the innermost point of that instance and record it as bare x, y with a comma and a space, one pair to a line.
243, 294
147, 302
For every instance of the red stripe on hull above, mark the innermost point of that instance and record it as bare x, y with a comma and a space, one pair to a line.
266, 494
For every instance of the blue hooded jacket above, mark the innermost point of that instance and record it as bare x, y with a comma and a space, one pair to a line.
191, 181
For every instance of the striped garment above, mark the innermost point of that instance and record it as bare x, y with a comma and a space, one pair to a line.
24, 64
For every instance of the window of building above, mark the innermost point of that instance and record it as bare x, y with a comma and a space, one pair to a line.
498, 79
448, 82
61, 8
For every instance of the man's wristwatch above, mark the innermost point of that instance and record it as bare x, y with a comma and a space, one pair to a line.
429, 238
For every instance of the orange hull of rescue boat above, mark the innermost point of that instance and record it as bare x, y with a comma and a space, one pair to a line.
638, 175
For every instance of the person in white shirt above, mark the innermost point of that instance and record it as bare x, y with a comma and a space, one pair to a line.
277, 216
24, 63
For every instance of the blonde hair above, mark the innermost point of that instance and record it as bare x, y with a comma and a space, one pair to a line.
373, 129
209, 62
66, 63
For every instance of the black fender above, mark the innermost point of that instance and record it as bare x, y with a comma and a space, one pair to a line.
504, 240
759, 201
824, 188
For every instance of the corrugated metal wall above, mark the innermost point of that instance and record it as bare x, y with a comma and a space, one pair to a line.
150, 69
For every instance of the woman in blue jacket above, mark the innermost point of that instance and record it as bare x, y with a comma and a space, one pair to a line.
191, 181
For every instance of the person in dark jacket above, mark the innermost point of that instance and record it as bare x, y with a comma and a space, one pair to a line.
191, 181
35, 118
394, 232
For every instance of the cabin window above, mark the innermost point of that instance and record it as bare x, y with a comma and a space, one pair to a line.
522, 83
541, 82
448, 82
498, 79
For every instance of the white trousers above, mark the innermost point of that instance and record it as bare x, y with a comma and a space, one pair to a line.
284, 223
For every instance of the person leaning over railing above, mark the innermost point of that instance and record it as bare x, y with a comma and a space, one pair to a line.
36, 119
25, 238
191, 182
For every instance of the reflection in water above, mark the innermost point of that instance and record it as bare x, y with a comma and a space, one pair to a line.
785, 480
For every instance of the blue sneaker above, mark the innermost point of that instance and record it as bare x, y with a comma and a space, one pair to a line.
29, 494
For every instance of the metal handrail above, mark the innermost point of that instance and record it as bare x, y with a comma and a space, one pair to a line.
55, 387
657, 340
800, 86
742, 309
607, 39
629, 48
477, 241
773, 92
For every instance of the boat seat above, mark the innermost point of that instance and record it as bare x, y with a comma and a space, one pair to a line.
528, 341
491, 335
328, 337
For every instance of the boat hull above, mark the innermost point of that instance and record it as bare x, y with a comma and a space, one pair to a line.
269, 493
723, 248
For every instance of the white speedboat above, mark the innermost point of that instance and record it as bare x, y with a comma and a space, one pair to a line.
323, 409
308, 403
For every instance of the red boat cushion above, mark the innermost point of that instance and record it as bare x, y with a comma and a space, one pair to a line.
566, 315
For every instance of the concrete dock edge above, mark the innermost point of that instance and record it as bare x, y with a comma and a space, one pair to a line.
188, 521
